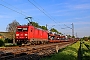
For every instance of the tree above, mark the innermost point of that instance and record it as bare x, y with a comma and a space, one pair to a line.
38, 26
12, 28
69, 36
89, 38
73, 36
43, 27
54, 30
35, 24
85, 38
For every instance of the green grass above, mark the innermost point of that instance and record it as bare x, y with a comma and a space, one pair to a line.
87, 42
69, 53
86, 51
9, 44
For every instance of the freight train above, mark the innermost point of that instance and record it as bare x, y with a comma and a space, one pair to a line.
28, 34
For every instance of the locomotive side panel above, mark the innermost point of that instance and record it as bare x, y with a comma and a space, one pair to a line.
37, 36
40, 34
36, 33
45, 35
30, 32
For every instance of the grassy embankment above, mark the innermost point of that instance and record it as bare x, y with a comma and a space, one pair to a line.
69, 53
86, 50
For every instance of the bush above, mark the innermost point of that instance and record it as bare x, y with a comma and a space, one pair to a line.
7, 40
1, 43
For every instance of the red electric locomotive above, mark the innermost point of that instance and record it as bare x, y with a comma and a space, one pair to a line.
30, 34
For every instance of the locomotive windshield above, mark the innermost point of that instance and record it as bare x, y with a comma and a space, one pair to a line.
19, 29
22, 29
25, 29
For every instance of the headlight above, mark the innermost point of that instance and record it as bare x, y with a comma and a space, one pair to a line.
16, 37
26, 34
17, 34
26, 37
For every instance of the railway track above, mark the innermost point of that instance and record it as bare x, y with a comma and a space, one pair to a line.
9, 53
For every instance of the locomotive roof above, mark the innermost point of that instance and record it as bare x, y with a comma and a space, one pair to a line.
23, 25
30, 25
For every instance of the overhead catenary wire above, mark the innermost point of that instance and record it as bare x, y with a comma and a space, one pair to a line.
67, 26
52, 18
13, 10
19, 12
42, 11
14, 7
22, 11
72, 28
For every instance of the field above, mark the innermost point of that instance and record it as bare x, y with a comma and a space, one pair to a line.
69, 53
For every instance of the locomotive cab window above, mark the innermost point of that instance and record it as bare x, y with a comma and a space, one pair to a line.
22, 29
19, 29
25, 29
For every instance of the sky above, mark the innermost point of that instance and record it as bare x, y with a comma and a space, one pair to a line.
56, 14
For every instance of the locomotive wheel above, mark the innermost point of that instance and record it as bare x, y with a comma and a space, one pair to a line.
19, 43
